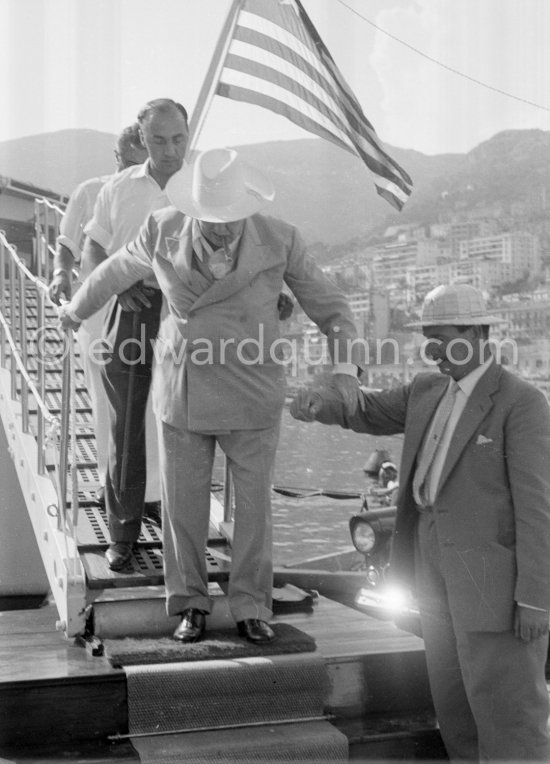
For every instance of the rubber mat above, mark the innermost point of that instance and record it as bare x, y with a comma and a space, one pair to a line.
185, 696
217, 644
245, 710
300, 743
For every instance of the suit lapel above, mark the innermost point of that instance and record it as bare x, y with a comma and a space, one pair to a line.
252, 258
179, 248
477, 407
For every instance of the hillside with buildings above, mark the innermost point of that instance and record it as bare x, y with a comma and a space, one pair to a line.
486, 223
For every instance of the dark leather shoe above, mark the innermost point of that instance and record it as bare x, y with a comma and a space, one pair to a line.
152, 511
99, 496
118, 555
191, 628
255, 630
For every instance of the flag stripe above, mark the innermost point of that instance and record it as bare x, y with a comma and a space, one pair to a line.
303, 40
276, 59
263, 34
284, 109
296, 92
306, 50
252, 76
362, 125
258, 47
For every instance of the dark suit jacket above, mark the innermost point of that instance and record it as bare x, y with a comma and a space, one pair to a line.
492, 509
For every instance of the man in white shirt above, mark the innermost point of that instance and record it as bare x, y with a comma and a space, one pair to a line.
122, 206
129, 152
472, 531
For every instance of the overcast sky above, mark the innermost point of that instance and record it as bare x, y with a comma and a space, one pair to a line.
93, 63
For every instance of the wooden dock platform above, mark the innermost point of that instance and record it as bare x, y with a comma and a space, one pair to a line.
56, 699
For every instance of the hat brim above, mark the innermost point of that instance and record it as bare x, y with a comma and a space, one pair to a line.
257, 194
473, 321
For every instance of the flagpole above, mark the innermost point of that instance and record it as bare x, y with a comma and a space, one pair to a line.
211, 80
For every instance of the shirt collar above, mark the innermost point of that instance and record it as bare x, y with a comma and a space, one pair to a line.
143, 171
468, 383
140, 170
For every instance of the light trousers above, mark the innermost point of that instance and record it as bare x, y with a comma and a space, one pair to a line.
186, 461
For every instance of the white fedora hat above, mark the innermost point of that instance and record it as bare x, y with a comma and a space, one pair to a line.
454, 305
218, 186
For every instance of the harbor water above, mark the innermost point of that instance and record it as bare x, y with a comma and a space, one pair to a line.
312, 456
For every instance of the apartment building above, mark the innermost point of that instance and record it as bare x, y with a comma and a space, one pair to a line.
518, 249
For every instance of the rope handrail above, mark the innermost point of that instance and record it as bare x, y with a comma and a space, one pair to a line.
48, 416
36, 280
52, 429
50, 204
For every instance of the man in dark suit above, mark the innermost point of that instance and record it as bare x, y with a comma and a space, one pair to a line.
472, 533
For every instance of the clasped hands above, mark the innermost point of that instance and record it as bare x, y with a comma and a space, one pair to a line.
307, 403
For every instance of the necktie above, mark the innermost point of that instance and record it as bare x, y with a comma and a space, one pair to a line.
219, 263
431, 445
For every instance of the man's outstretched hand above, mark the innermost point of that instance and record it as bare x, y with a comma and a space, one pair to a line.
306, 405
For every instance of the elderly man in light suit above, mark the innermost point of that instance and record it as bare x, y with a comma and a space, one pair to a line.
219, 374
472, 533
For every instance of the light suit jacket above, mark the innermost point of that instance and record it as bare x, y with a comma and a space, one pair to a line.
218, 353
492, 508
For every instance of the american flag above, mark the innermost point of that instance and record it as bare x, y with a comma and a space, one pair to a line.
276, 59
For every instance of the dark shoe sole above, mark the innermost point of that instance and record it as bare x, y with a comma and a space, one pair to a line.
188, 640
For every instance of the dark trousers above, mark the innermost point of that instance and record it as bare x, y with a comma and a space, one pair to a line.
488, 687
127, 380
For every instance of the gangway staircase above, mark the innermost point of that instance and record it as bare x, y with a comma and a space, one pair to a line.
46, 413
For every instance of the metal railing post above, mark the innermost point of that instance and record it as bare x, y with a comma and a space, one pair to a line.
12, 323
36, 240
2, 302
46, 232
64, 435
41, 383
24, 352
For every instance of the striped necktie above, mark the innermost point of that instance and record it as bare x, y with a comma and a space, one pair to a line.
437, 428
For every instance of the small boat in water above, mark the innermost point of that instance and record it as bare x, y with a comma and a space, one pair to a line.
375, 461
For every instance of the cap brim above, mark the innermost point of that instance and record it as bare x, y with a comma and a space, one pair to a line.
474, 321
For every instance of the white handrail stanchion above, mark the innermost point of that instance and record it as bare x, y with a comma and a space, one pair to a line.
24, 353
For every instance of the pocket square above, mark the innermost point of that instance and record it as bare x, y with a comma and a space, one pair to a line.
481, 440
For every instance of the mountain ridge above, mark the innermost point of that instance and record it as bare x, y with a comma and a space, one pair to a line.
327, 192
